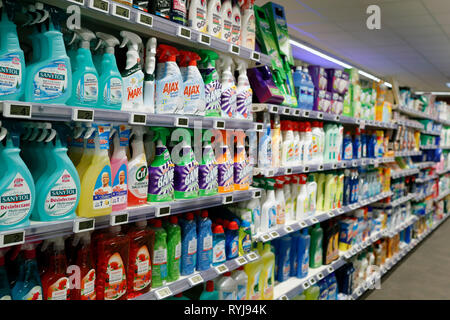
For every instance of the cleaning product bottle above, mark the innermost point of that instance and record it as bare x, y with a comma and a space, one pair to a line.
84, 260
228, 97
197, 15
315, 251
287, 149
219, 255
281, 200
253, 270
119, 168
110, 83
312, 293
244, 93
227, 22
173, 249
88, 150
55, 283
241, 164
160, 8
236, 23
159, 267
214, 18
50, 78
245, 238
357, 154
283, 257
323, 287
265, 148
188, 245
276, 142
185, 178
17, 190
241, 279
227, 287
161, 170
204, 242
208, 168
269, 207
193, 85
308, 143
303, 253
302, 207
311, 189
297, 158
267, 281
112, 251
330, 192
320, 192
225, 166
209, 293
139, 263
28, 285
169, 81
137, 169
289, 209
12, 60
178, 12
132, 76
232, 240
149, 78
96, 188
248, 26
348, 147
295, 238
85, 77
207, 68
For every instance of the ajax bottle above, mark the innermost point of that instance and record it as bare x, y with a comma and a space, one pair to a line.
137, 169
173, 249
193, 85
269, 207
197, 15
315, 251
208, 169
213, 87
55, 283
119, 168
28, 285
232, 240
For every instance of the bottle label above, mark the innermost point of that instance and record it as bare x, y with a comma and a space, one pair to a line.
112, 94
62, 198
348, 152
241, 292
226, 177
58, 290
272, 216
234, 247
116, 280
178, 251
160, 256
193, 98
87, 88
281, 214
268, 284
236, 30
102, 190
50, 82
255, 293
88, 286
10, 74
143, 270
192, 246
227, 25
133, 84
207, 243
15, 202
228, 295
213, 92
207, 177
199, 22
138, 181
179, 6
244, 104
216, 26
103, 137
219, 252
34, 294
228, 102
168, 96
120, 187
247, 243
318, 254
161, 183
186, 177
242, 172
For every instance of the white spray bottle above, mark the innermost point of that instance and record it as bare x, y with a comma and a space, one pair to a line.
228, 97
244, 93
149, 80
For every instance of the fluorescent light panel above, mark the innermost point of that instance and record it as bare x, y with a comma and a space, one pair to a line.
443, 93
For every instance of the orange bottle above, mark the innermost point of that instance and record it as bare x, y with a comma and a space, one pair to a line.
84, 260
55, 283
225, 166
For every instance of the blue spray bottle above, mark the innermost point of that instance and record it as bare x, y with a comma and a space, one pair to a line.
204, 242
188, 245
28, 285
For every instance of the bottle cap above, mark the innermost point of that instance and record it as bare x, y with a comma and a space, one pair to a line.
218, 229
204, 214
174, 220
157, 223
227, 274
210, 286
166, 53
316, 124
307, 126
188, 58
233, 226
189, 216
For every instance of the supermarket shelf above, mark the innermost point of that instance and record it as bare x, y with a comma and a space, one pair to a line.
55, 112
186, 282
422, 180
416, 114
430, 132
423, 165
159, 27
274, 172
292, 287
442, 195
430, 147
444, 147
443, 171
397, 202
45, 230
422, 197
369, 283
408, 153
318, 217
410, 123
404, 173
443, 121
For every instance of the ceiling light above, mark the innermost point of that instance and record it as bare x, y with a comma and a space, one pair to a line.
434, 93
387, 84
368, 75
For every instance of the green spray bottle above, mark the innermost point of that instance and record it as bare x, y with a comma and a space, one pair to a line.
208, 169
161, 170
213, 87
173, 249
315, 250
159, 261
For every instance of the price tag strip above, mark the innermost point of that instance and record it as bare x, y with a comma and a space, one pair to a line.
181, 122
116, 219
82, 115
274, 234
288, 229
138, 119
235, 49
256, 194
287, 111
255, 56
219, 124
221, 269
12, 238
83, 224
303, 224
227, 199
145, 19
305, 285
121, 12
320, 276
241, 261
312, 281
17, 110
330, 269
184, 32
266, 237
204, 39
163, 293
99, 5
195, 279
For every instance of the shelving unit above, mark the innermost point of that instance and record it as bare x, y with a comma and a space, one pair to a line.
416, 114
404, 173
408, 153
396, 202
422, 180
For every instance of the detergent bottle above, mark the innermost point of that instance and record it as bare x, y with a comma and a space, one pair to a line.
214, 18
236, 23
244, 92
88, 150
12, 60
185, 179
85, 78
289, 208
253, 270
161, 170
219, 254
49, 80
169, 82
303, 254
267, 280
228, 97
227, 22
315, 251
76, 145
227, 287
119, 168
242, 169
188, 245
208, 168
204, 242
232, 240
85, 261
137, 169
59, 186
159, 268
173, 249
17, 190
28, 285
197, 15
213, 87
226, 168
193, 85
248, 26
110, 84
55, 283
96, 188
269, 207
132, 76
139, 262
149, 79
242, 282
178, 12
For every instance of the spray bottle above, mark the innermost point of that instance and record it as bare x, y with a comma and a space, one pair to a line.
226, 168
149, 80
137, 169
228, 97
241, 164
244, 93
55, 283
208, 168
186, 167
213, 87
133, 77
194, 87
119, 168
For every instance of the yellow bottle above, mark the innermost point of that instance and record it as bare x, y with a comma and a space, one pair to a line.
267, 280
86, 157
253, 271
96, 190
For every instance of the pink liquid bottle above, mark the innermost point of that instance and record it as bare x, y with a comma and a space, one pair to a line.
119, 168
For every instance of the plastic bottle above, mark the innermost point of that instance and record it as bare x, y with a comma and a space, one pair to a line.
110, 84
357, 154
204, 242
241, 166
209, 293
323, 287
228, 97
297, 159
193, 85
207, 68
227, 287
225, 166
245, 238
188, 245
302, 207
315, 251
119, 168
197, 15
312, 293
283, 257
332, 287
269, 207
232, 240
276, 142
160, 8
316, 136
149, 78
161, 170
214, 18
159, 267
311, 189
248, 26
55, 283
289, 206
185, 179
12, 60
348, 147
308, 143
137, 169
132, 75
219, 254
303, 254
287, 149
227, 22
208, 169
267, 280
241, 279
281, 201
295, 190
178, 12
330, 192
85, 261
236, 23
173, 249
28, 285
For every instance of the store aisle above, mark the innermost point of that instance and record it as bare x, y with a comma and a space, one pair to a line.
424, 275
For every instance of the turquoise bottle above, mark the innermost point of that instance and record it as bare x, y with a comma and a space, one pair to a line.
17, 192
12, 61
85, 77
59, 186
49, 80
28, 285
110, 83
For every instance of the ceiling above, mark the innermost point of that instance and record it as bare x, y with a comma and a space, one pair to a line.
413, 44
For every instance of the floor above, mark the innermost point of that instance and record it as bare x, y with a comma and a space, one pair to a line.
424, 274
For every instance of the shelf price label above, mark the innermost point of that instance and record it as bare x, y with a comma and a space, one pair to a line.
255, 56
305, 169
305, 114
116, 219
162, 211
12, 238
266, 237
181, 122
204, 39
273, 109
121, 12
138, 119
288, 229
320, 168
83, 115
221, 269
288, 171
330, 269
227, 199
284, 297
270, 173
163, 293
303, 224
184, 32
252, 256
286, 111
259, 127
241, 261
305, 285
314, 220
195, 279
83, 224
320, 115
145, 19
219, 124
99, 5
256, 194
320, 276
274, 234
340, 210
234, 49
331, 214
296, 112
22, 111
312, 281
